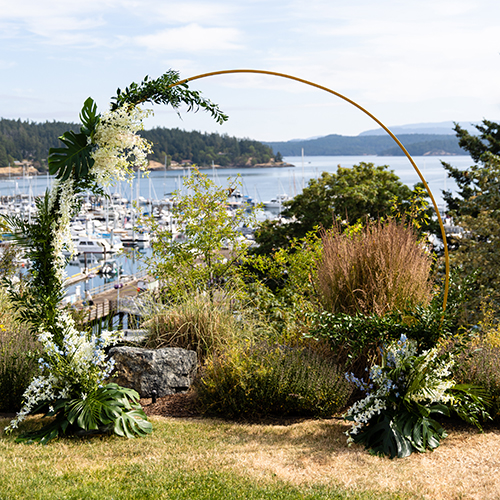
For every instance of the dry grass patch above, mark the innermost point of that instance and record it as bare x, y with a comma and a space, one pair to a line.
466, 465
306, 454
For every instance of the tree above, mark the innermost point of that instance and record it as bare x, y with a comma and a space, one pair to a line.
352, 194
212, 244
476, 209
478, 179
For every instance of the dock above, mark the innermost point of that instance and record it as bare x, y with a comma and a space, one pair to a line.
109, 302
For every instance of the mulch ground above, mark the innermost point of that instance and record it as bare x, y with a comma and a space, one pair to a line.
174, 405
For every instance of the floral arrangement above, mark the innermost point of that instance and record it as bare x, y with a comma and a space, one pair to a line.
402, 395
73, 368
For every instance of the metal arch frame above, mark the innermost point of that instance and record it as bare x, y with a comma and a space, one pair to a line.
374, 118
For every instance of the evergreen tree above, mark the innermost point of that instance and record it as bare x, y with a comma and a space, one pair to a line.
476, 209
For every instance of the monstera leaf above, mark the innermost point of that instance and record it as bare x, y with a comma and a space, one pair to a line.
400, 435
107, 409
76, 157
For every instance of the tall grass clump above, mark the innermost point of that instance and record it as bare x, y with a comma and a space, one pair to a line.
201, 323
19, 354
377, 269
264, 380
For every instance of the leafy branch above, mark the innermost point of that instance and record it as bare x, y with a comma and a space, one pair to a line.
166, 90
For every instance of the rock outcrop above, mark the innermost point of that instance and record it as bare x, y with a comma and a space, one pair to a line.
167, 371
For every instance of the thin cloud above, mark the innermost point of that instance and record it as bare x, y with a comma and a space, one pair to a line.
192, 38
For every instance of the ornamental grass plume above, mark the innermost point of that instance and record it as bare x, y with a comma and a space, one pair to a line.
378, 269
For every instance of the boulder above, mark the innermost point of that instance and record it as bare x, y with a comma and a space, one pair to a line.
167, 371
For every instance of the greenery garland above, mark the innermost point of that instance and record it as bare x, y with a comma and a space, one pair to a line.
72, 384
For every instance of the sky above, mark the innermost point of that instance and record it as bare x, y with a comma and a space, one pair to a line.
404, 61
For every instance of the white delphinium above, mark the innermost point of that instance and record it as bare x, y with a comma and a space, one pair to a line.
118, 146
63, 192
400, 360
41, 390
79, 363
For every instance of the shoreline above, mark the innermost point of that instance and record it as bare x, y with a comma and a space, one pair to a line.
20, 172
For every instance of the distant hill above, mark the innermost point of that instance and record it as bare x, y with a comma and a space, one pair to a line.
371, 144
438, 128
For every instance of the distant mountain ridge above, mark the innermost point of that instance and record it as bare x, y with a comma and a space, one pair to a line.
420, 139
438, 128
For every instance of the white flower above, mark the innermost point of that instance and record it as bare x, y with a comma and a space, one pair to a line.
118, 146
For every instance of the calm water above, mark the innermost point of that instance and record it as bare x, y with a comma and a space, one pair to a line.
263, 184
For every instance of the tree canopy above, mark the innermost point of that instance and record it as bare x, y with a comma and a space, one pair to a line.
363, 191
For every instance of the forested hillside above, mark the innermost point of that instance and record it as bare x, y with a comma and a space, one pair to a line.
203, 149
23, 140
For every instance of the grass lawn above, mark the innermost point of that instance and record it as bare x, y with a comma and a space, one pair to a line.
212, 459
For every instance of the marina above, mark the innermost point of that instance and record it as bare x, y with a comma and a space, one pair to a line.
112, 246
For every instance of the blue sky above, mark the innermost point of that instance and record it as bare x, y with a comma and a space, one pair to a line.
405, 61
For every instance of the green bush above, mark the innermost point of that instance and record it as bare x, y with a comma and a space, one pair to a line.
479, 364
355, 339
264, 380
19, 354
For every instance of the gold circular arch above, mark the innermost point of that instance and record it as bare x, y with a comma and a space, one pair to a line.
350, 101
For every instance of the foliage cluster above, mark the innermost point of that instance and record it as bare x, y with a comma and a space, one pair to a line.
264, 379
355, 339
19, 354
109, 408
478, 361
476, 209
206, 258
202, 325
479, 364
363, 192
404, 392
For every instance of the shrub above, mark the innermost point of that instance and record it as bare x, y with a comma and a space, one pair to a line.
479, 361
479, 364
378, 269
19, 354
264, 380
355, 339
201, 324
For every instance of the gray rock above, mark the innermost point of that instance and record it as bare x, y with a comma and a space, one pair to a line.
166, 371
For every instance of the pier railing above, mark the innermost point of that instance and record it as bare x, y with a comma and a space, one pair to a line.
106, 287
